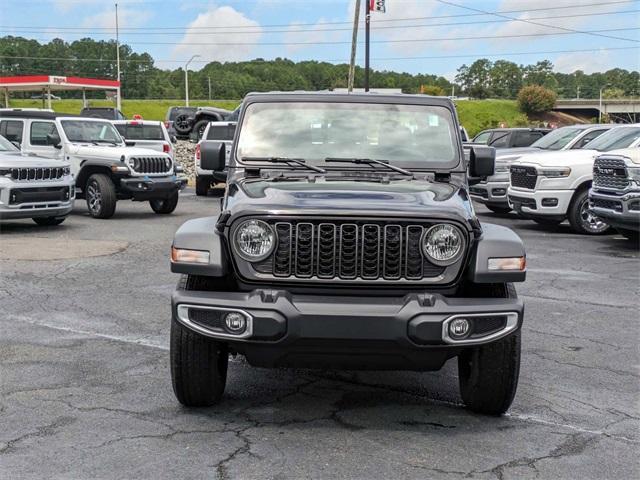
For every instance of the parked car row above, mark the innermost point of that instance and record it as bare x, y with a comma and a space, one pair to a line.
105, 167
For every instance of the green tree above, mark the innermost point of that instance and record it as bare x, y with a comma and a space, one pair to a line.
536, 99
476, 78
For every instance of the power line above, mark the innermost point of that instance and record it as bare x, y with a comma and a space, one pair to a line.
477, 22
409, 40
376, 22
498, 14
430, 57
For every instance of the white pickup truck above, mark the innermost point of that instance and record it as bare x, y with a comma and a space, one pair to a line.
552, 187
104, 168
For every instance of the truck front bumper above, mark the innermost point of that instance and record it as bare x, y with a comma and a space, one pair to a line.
410, 332
540, 203
491, 193
151, 188
36, 199
621, 211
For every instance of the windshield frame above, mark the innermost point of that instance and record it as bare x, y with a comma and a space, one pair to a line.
85, 120
456, 165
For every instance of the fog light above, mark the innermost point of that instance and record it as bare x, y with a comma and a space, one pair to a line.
549, 202
459, 328
499, 192
235, 322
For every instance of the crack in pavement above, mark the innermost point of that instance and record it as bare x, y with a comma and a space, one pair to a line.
586, 367
42, 431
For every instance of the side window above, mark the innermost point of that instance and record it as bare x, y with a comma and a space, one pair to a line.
39, 132
12, 130
524, 139
500, 139
482, 137
587, 138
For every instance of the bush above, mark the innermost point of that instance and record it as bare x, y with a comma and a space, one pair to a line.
434, 90
536, 99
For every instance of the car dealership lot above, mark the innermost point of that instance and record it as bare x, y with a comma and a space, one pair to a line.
86, 392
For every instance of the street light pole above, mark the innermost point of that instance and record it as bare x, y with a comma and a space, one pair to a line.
367, 25
186, 80
119, 91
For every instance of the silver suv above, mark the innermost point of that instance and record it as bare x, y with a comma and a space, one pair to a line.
34, 187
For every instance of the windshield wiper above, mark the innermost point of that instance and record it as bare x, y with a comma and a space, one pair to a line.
369, 161
297, 161
99, 141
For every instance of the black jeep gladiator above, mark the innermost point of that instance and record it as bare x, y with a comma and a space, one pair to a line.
347, 240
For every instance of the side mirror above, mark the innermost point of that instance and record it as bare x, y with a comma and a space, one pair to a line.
482, 161
212, 156
54, 141
174, 139
129, 143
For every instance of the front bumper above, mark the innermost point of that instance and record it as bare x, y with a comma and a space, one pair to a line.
36, 199
151, 188
491, 193
540, 203
616, 209
407, 333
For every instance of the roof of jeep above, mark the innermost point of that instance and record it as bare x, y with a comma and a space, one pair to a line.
349, 97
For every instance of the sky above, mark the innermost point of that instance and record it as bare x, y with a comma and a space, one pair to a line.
415, 36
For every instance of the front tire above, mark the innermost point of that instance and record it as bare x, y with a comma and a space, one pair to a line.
100, 193
49, 221
202, 186
198, 367
580, 217
497, 209
488, 374
199, 128
165, 206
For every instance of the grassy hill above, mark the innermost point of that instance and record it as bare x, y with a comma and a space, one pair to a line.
475, 115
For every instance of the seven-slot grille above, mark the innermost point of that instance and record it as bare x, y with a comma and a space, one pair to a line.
610, 173
524, 177
150, 164
37, 173
349, 251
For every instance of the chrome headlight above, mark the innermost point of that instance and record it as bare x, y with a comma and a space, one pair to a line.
66, 171
254, 240
167, 162
443, 244
554, 172
634, 174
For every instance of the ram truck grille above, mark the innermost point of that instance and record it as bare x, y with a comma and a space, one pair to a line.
348, 250
150, 165
37, 174
524, 177
610, 173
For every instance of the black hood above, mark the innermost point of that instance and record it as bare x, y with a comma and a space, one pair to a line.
328, 198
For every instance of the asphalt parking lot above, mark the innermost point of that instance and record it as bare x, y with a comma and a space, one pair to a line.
86, 392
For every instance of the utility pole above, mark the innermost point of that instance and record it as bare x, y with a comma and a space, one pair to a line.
209, 82
186, 80
578, 93
354, 42
367, 27
118, 99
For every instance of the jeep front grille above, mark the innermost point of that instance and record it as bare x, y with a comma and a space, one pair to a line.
150, 165
610, 173
37, 173
349, 250
524, 177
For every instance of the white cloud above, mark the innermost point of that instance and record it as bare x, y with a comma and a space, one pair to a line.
587, 62
219, 17
127, 17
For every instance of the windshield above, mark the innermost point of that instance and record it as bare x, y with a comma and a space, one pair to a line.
6, 145
84, 131
140, 132
412, 136
557, 139
620, 137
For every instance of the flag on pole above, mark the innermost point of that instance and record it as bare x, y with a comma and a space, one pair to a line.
377, 6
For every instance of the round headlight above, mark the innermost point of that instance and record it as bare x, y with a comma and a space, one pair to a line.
443, 244
167, 162
254, 240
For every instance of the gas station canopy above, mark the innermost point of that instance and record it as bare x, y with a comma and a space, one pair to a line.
51, 83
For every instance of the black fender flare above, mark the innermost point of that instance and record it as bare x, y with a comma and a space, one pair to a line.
201, 234
496, 241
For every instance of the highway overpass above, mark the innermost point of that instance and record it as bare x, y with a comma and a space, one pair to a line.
619, 110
